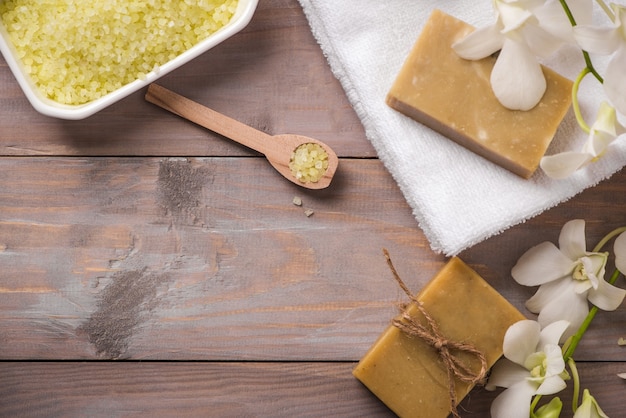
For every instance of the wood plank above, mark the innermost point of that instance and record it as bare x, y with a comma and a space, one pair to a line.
105, 389
272, 76
250, 307
208, 258
195, 258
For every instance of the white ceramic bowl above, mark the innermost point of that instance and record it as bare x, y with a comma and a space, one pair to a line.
243, 15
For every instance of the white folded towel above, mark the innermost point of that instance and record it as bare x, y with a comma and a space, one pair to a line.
457, 197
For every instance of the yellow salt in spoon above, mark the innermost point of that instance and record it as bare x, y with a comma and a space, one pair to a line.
314, 169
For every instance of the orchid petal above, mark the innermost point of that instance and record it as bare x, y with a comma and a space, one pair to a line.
582, 10
480, 43
517, 79
550, 385
593, 266
562, 165
606, 121
520, 340
547, 293
620, 13
532, 361
552, 18
597, 263
551, 335
512, 16
514, 402
606, 297
568, 306
598, 144
555, 365
541, 264
614, 80
620, 252
532, 5
541, 42
598, 40
572, 239
505, 374
620, 16
604, 131
583, 286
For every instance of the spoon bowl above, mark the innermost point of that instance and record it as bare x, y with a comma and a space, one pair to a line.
278, 149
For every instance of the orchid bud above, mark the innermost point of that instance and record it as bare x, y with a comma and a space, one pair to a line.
589, 408
550, 410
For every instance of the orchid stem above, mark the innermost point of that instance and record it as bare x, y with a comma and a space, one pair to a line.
576, 380
572, 21
575, 104
568, 12
608, 237
533, 405
589, 68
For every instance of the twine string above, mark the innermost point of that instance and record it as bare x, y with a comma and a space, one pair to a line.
446, 349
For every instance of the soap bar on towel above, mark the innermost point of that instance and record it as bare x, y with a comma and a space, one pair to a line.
407, 374
453, 96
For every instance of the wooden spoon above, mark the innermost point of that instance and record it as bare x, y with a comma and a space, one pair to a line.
278, 149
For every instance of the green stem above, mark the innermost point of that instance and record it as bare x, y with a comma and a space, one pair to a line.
568, 12
608, 237
533, 405
576, 379
572, 21
591, 68
575, 104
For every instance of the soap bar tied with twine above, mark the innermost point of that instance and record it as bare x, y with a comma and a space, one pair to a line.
446, 349
441, 344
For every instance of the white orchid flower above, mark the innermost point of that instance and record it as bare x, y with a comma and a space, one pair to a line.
532, 365
567, 276
523, 31
605, 41
589, 408
605, 130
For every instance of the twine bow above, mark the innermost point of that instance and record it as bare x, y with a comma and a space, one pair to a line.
430, 333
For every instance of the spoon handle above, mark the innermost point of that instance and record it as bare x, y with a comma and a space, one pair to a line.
208, 118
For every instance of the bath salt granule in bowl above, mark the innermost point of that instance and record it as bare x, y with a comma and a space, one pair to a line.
78, 57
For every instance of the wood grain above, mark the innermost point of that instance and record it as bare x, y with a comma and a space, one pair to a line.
182, 389
208, 258
194, 258
137, 236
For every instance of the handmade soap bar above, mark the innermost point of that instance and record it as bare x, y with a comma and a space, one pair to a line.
407, 374
453, 96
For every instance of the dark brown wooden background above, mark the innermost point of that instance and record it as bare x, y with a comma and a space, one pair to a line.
151, 268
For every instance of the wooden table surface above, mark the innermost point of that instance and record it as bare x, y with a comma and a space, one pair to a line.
149, 267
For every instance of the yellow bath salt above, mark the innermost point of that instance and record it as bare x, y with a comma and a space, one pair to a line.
78, 51
309, 162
